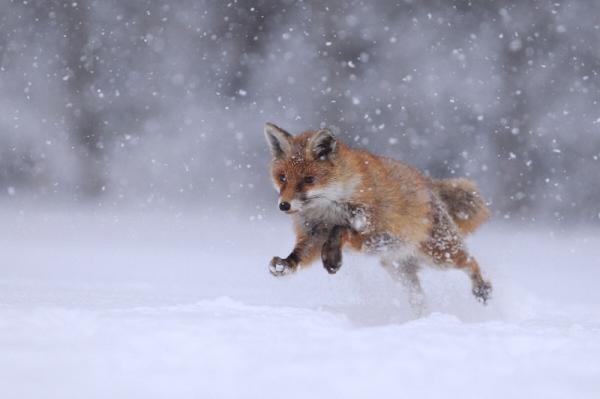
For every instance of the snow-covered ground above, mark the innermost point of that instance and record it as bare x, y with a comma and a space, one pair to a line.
98, 304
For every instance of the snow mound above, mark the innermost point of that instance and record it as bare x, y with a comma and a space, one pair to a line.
100, 305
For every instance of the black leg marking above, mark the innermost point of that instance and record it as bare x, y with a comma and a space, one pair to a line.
331, 254
280, 267
482, 291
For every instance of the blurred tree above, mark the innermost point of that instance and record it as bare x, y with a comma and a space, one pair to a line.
80, 72
167, 99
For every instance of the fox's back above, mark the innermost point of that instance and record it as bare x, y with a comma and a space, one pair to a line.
396, 194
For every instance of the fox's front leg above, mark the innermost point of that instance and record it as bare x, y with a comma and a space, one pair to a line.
331, 253
305, 251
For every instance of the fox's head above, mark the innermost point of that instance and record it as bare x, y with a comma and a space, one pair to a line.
305, 168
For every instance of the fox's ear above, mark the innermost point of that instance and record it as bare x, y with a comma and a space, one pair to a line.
278, 140
323, 144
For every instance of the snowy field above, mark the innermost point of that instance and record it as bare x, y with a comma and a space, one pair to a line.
96, 304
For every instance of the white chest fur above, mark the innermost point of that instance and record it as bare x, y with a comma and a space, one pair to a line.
325, 211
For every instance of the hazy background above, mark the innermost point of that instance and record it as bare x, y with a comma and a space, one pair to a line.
137, 218
161, 103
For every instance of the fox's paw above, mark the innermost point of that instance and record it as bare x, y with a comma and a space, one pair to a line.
332, 262
483, 291
280, 267
333, 268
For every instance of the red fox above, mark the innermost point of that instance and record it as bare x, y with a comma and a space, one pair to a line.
339, 196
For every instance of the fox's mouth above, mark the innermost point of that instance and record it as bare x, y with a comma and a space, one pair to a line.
313, 202
312, 198
301, 204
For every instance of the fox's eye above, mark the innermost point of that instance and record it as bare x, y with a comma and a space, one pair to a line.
309, 179
282, 178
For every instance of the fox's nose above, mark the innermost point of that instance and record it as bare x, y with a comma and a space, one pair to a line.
284, 206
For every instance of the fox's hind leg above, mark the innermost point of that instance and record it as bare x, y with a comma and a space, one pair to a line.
405, 271
445, 247
482, 289
454, 254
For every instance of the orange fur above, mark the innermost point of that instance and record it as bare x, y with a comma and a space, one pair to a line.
463, 201
386, 207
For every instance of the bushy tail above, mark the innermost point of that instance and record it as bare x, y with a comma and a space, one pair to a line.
465, 204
